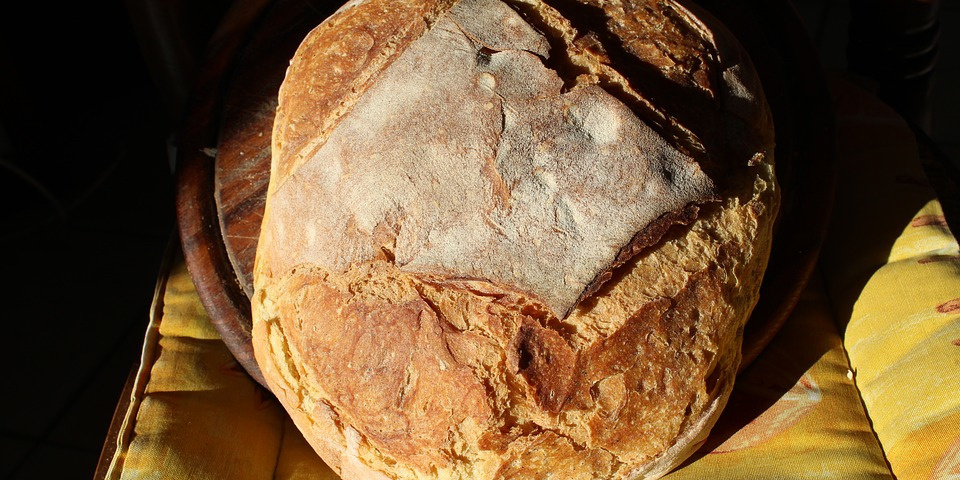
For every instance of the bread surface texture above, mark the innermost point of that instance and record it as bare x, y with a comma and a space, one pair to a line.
512, 239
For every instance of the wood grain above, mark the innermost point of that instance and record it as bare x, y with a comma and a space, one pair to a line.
197, 216
243, 150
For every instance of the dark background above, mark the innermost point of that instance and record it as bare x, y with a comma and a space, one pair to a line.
91, 94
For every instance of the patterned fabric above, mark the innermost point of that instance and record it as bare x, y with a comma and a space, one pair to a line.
861, 383
899, 298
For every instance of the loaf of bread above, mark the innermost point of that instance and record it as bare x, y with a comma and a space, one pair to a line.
512, 238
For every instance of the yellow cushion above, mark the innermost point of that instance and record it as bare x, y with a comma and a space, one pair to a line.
888, 295
899, 299
200, 415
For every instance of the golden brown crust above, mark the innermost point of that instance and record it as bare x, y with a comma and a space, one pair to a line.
546, 362
641, 391
408, 400
399, 373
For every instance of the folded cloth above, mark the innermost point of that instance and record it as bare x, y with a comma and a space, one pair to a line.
861, 382
892, 271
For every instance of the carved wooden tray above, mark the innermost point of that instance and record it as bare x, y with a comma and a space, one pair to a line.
224, 162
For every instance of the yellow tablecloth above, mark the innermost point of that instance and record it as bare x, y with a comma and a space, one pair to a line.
862, 382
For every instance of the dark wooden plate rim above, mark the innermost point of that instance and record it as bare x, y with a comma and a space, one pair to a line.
197, 216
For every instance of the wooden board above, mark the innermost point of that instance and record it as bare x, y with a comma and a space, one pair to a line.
220, 202
220, 197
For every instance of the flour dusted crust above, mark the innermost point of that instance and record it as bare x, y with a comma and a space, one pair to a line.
505, 239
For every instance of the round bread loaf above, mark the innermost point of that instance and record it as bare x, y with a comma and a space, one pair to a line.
512, 238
